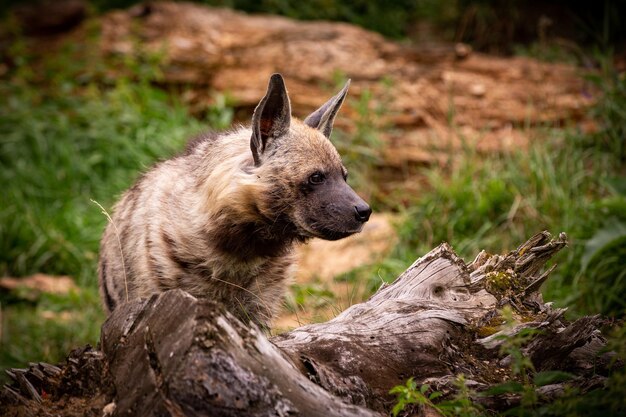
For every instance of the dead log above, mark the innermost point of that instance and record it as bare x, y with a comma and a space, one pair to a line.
180, 356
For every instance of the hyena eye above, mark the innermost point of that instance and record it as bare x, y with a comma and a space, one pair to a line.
317, 178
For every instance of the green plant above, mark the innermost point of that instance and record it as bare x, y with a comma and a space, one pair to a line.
606, 401
609, 86
521, 366
48, 329
220, 112
66, 138
602, 279
524, 378
408, 394
460, 404
390, 19
361, 149
309, 296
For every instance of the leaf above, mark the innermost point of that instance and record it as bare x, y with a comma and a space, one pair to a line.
613, 206
411, 385
398, 389
424, 388
435, 395
404, 389
602, 240
617, 185
551, 377
504, 388
397, 408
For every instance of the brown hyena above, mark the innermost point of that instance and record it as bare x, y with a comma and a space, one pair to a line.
221, 220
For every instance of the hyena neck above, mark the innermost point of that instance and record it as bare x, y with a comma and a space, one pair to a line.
233, 222
250, 239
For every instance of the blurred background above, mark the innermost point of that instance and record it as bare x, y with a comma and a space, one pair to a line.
478, 123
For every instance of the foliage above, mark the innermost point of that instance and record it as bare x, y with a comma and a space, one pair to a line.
392, 19
408, 394
564, 181
521, 367
524, 382
603, 270
494, 202
62, 143
495, 26
309, 296
568, 181
460, 404
220, 113
607, 401
601, 279
361, 149
49, 329
610, 110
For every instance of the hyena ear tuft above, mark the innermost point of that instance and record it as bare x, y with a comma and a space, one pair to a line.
271, 117
324, 117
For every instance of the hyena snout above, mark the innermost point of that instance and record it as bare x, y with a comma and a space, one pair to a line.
354, 210
343, 213
362, 211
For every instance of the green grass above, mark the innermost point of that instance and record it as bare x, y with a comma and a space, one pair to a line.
496, 202
61, 145
565, 181
51, 328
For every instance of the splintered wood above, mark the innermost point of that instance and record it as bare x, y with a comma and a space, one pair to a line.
177, 355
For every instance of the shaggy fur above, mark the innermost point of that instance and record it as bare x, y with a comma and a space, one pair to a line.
221, 220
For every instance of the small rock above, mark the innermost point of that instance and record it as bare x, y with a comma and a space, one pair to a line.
109, 409
478, 90
58, 316
462, 50
39, 283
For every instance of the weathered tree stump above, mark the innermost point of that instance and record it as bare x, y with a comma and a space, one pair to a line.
180, 356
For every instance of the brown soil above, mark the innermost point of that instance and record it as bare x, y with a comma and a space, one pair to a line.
38, 283
435, 99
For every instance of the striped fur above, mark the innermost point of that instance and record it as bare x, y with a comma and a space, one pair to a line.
218, 223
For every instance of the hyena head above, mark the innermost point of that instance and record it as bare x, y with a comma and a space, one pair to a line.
306, 183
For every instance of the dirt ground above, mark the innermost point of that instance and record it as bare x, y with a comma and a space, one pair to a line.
433, 96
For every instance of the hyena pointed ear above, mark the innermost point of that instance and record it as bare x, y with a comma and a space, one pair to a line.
271, 117
324, 117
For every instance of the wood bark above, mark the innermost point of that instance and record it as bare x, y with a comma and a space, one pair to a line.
176, 355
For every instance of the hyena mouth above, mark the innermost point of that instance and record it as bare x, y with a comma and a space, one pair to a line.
329, 234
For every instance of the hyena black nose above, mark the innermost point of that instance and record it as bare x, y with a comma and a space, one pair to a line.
362, 212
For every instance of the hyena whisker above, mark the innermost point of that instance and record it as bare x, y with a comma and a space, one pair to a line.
243, 308
119, 242
233, 204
